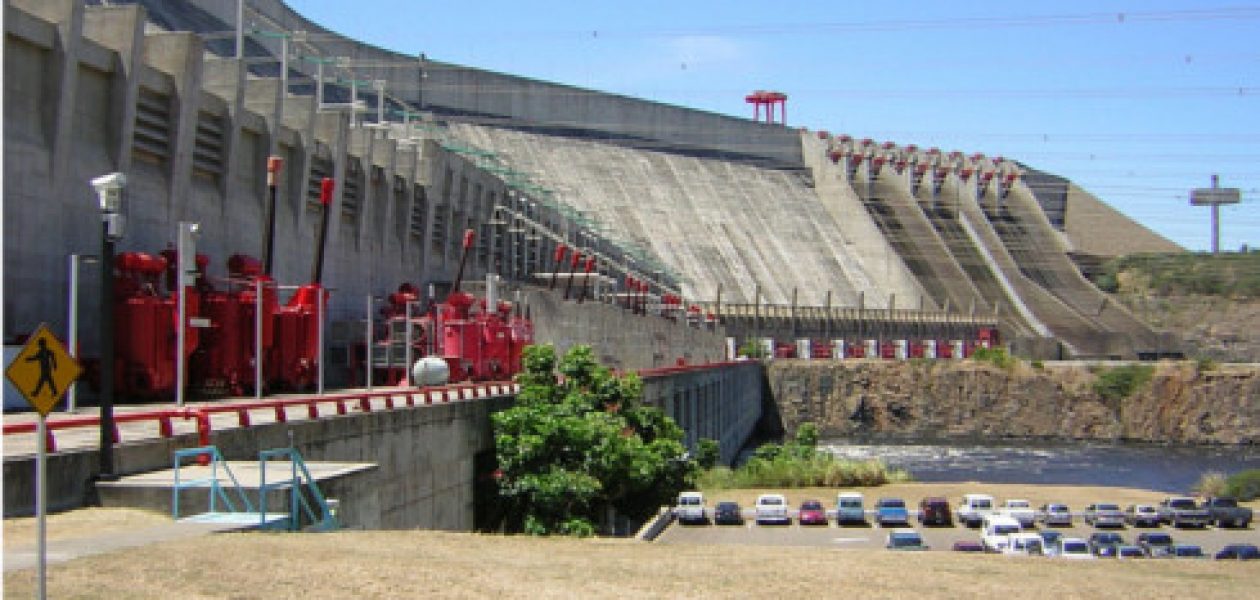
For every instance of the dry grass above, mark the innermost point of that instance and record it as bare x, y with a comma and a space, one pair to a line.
451, 565
414, 564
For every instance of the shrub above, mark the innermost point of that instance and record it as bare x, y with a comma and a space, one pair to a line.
1205, 364
1212, 483
1244, 485
708, 453
1120, 382
1036, 364
996, 357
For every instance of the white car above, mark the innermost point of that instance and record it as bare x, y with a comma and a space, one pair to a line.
772, 508
1025, 544
1074, 549
974, 508
1020, 510
690, 508
997, 531
1054, 514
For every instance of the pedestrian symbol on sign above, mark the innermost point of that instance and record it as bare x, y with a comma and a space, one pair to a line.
43, 370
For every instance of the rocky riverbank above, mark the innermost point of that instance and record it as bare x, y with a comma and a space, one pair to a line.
1179, 403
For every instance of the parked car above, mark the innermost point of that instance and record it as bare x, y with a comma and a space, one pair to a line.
728, 513
1239, 552
968, 546
772, 508
1050, 541
812, 513
905, 539
1180, 511
1025, 544
974, 508
1074, 549
1225, 512
1155, 544
996, 531
850, 509
1187, 551
1126, 551
1105, 543
690, 508
891, 511
1020, 510
934, 510
1057, 515
1141, 515
1104, 515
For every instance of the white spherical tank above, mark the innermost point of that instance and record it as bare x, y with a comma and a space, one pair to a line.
430, 370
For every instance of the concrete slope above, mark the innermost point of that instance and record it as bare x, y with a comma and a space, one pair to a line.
893, 207
715, 222
1045, 311
864, 244
983, 268
1042, 257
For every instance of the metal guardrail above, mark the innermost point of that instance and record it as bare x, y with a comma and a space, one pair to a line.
338, 404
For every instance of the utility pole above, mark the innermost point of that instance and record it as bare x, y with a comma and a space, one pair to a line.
1214, 197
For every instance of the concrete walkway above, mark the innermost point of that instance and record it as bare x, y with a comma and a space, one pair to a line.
24, 556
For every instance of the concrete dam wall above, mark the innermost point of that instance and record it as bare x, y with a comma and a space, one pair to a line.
934, 400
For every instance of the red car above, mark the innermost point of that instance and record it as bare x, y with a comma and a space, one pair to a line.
812, 513
935, 511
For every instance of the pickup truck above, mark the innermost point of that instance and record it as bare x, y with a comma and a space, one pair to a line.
974, 508
1180, 511
996, 533
1225, 512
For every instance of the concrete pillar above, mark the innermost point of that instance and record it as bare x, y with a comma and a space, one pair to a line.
120, 28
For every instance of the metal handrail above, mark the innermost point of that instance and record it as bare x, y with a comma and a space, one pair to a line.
216, 490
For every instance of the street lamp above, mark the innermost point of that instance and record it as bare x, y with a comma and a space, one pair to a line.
109, 193
72, 320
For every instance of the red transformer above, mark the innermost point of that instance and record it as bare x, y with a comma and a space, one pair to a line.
146, 346
226, 361
496, 337
293, 362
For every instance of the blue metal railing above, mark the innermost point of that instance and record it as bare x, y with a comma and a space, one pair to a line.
216, 489
299, 480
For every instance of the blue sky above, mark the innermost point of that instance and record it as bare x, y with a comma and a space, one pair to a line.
1137, 101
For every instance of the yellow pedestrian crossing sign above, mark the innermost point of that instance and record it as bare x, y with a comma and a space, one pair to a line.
43, 370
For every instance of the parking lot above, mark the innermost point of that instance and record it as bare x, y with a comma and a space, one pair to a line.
871, 537
874, 537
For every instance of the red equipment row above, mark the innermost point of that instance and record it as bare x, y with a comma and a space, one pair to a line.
220, 337
478, 342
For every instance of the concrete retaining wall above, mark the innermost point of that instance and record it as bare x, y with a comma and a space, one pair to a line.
424, 455
720, 403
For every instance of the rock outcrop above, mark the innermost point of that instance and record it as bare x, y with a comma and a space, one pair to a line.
939, 399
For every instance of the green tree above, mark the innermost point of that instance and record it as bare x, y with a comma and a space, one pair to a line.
708, 453
576, 444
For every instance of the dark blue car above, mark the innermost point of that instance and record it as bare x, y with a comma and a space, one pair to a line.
1239, 552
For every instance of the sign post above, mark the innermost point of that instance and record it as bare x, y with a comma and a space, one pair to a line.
41, 372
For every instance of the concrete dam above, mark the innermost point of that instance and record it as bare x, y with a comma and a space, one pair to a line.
769, 231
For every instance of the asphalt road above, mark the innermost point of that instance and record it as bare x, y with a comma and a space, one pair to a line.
937, 538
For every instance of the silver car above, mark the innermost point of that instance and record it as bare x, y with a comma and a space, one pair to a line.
1055, 515
1104, 515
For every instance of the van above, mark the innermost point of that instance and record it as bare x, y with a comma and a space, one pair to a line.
850, 508
690, 508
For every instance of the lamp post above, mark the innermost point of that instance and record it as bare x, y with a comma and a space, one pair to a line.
109, 193
72, 321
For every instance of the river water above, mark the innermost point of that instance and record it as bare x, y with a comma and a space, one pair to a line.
1154, 467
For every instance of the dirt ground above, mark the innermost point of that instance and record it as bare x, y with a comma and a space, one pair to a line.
411, 564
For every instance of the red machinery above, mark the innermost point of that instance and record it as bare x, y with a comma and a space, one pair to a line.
226, 359
147, 320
